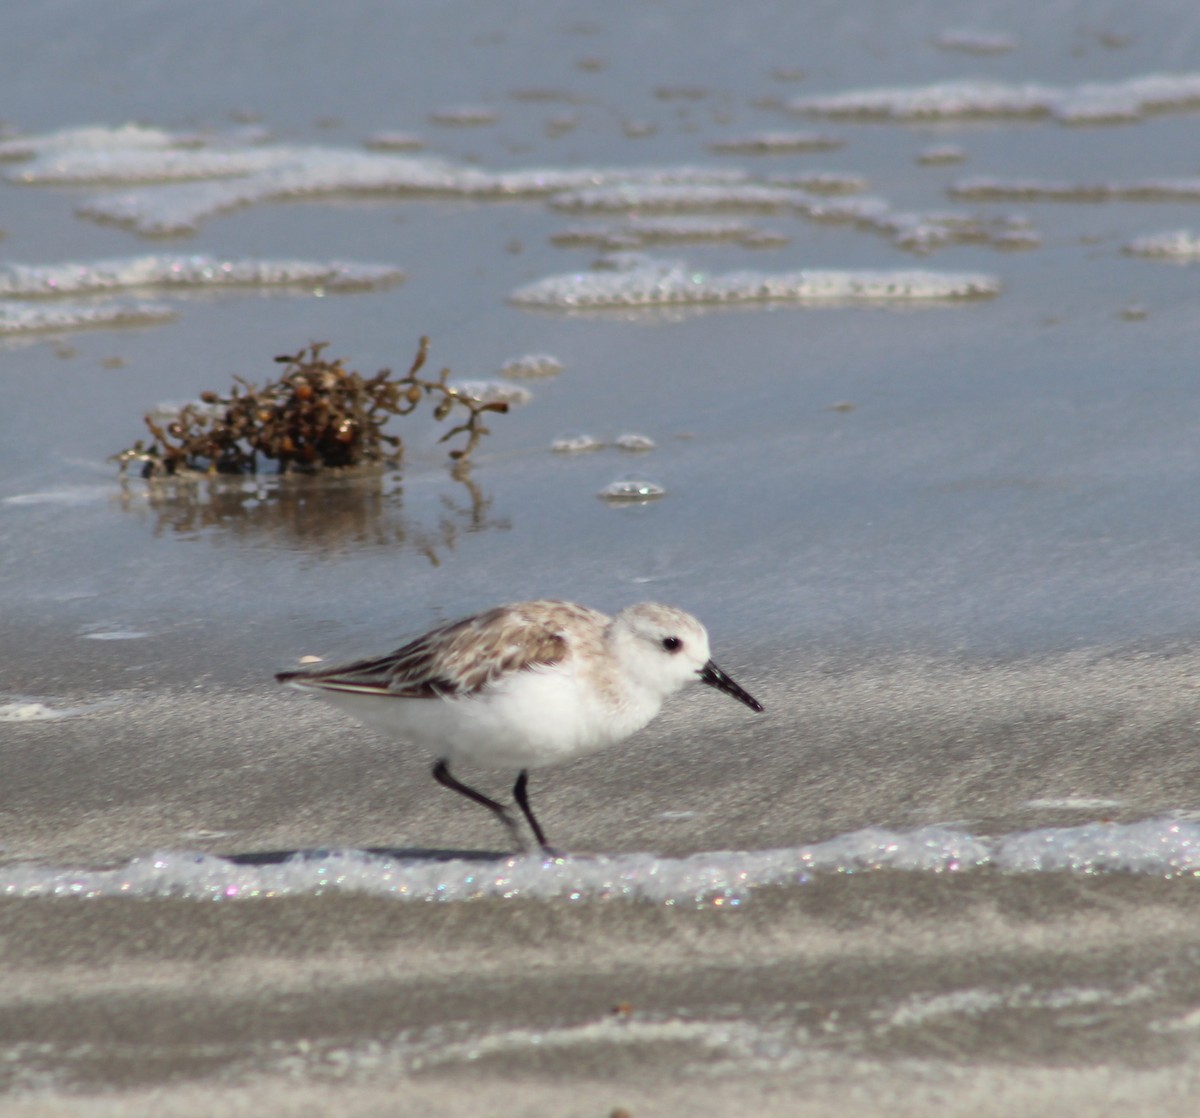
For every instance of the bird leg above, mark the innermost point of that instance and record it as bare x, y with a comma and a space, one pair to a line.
521, 795
441, 773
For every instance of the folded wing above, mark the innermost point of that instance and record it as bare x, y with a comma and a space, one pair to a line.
459, 659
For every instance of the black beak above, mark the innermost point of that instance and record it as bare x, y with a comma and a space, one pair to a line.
714, 677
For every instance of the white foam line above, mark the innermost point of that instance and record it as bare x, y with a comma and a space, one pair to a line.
656, 283
31, 710
1074, 803
18, 318
295, 173
1178, 244
919, 231
24, 710
96, 137
72, 167
177, 270
647, 197
1185, 189
1088, 103
1163, 847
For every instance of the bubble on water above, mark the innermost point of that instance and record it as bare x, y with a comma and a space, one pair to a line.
493, 392
532, 365
632, 488
576, 443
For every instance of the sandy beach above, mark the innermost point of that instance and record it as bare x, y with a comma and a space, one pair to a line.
884, 316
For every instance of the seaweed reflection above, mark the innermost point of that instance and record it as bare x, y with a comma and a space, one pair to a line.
325, 515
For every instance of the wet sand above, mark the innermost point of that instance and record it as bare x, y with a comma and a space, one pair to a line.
879, 993
891, 742
889, 991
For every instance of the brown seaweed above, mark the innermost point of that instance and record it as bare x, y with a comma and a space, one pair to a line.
317, 415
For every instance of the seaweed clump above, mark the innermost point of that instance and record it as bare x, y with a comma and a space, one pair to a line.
317, 415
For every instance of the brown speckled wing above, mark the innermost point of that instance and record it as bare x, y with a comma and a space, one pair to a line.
461, 658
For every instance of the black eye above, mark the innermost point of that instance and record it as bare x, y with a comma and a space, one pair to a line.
672, 644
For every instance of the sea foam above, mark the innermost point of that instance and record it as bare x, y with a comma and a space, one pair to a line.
1162, 847
1089, 103
646, 282
22, 318
177, 270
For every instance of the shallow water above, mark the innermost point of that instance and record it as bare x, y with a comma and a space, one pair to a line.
914, 399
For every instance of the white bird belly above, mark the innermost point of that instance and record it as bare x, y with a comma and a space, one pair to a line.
528, 720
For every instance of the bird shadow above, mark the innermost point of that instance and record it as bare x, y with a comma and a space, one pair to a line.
396, 853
